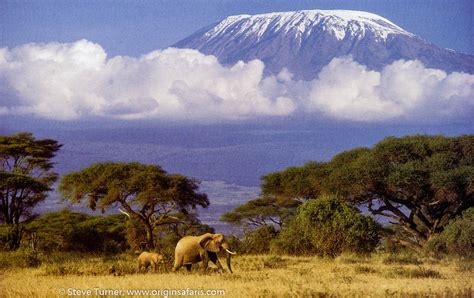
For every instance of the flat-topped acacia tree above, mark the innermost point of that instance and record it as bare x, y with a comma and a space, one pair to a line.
147, 193
25, 175
417, 182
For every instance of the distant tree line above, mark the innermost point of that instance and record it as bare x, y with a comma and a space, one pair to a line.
423, 185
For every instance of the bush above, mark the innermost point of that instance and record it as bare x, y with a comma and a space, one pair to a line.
258, 241
457, 238
292, 240
71, 231
10, 236
21, 258
328, 226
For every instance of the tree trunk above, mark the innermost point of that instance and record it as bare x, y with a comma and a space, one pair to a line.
149, 235
148, 227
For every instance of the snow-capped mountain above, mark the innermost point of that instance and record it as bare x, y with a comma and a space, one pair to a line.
305, 41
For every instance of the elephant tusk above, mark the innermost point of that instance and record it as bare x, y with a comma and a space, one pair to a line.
232, 253
124, 212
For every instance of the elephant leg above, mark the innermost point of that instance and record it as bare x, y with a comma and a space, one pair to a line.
178, 262
205, 262
188, 267
214, 259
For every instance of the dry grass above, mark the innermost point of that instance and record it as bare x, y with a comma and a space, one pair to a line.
254, 276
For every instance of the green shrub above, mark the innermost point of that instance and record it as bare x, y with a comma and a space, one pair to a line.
32, 259
328, 226
236, 244
71, 231
10, 236
21, 258
258, 241
457, 238
292, 240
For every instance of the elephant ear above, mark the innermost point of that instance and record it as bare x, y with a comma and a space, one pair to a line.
211, 242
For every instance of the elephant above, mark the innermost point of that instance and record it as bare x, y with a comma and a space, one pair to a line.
193, 249
146, 259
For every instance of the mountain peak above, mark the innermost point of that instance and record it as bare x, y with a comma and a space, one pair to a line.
305, 41
337, 22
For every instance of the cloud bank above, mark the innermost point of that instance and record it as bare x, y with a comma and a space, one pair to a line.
77, 80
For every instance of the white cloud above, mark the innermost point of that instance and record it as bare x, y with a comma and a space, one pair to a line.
69, 81
402, 90
77, 80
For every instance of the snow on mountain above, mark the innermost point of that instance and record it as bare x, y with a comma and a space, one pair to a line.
301, 23
305, 41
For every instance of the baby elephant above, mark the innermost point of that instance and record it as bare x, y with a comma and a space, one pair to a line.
145, 259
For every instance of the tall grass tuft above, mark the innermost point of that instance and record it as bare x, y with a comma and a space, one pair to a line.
402, 259
419, 272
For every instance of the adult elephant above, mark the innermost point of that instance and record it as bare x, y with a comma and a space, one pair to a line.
194, 249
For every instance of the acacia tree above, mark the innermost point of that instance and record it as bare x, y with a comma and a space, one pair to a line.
147, 193
295, 183
282, 193
262, 212
25, 175
417, 182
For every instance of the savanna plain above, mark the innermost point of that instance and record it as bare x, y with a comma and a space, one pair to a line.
380, 275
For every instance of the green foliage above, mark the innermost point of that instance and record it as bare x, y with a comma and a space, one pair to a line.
293, 239
10, 236
20, 258
295, 183
262, 212
25, 175
147, 193
328, 226
258, 241
71, 231
457, 238
419, 182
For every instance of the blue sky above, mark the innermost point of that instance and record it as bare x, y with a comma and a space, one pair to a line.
138, 27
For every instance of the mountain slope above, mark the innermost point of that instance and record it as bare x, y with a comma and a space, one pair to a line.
305, 41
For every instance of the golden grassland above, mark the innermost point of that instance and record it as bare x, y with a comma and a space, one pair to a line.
254, 276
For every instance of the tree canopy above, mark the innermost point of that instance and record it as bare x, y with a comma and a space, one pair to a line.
262, 212
25, 174
147, 193
418, 182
